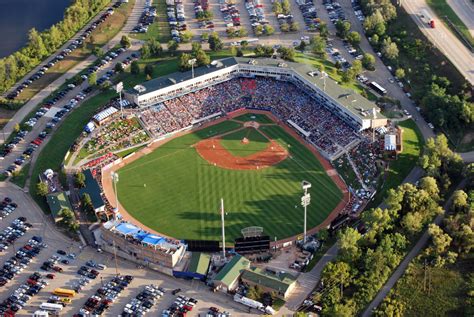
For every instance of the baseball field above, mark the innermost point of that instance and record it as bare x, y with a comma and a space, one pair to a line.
250, 161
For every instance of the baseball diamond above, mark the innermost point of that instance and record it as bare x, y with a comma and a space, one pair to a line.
259, 180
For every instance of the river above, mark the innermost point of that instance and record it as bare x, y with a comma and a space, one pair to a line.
17, 17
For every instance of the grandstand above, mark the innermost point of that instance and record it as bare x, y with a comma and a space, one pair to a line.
324, 113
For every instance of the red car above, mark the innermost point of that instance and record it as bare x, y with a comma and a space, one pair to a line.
57, 269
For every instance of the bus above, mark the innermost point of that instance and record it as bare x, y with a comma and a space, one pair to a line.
379, 89
51, 307
64, 292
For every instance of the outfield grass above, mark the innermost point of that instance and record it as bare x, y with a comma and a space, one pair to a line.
174, 188
444, 10
232, 142
399, 169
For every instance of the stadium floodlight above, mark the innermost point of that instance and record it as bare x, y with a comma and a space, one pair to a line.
324, 75
223, 228
192, 62
305, 201
118, 89
115, 179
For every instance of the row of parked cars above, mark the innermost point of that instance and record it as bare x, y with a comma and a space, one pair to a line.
147, 18
176, 18
20, 296
7, 206
335, 11
310, 16
10, 234
105, 296
18, 262
74, 45
256, 13
230, 13
143, 302
180, 307
200, 7
358, 10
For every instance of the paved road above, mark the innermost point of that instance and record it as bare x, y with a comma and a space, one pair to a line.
403, 265
465, 11
443, 38
23, 112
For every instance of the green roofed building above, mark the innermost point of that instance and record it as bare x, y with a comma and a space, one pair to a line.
228, 277
280, 282
57, 202
199, 263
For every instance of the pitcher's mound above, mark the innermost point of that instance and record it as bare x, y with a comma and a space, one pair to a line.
245, 141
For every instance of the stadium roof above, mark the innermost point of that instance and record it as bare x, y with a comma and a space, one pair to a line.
199, 263
126, 229
57, 202
279, 282
231, 271
104, 114
92, 188
353, 101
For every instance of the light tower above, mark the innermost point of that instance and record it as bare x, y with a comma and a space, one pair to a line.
115, 179
223, 228
305, 201
192, 62
118, 89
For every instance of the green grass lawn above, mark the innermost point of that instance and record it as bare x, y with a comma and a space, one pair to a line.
20, 178
174, 188
129, 151
257, 117
398, 169
346, 171
443, 9
232, 142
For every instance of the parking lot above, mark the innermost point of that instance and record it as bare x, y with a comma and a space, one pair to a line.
43, 227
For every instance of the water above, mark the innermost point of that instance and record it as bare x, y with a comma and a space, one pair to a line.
17, 17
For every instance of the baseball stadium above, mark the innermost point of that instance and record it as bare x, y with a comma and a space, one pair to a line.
247, 139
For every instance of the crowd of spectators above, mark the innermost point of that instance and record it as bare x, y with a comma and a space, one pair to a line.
327, 131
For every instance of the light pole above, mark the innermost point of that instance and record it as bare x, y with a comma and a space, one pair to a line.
223, 228
118, 89
305, 201
324, 75
115, 179
192, 62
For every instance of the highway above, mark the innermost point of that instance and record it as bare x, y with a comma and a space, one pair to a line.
443, 38
465, 11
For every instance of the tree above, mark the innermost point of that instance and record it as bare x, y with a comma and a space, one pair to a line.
184, 61
242, 32
287, 53
389, 49
149, 70
353, 37
268, 29
239, 53
202, 58
339, 272
342, 28
244, 44
430, 185
390, 307
277, 7
294, 26
357, 67
348, 245
92, 79
302, 46
36, 44
215, 43
125, 41
255, 292
118, 67
186, 36
67, 216
135, 68
318, 46
151, 48
368, 61
441, 240
98, 52
80, 180
412, 222
86, 202
205, 36
286, 7
42, 189
172, 47
17, 127
375, 24
258, 30
323, 29
459, 200
400, 73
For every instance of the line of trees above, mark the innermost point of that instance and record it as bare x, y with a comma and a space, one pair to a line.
41, 45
